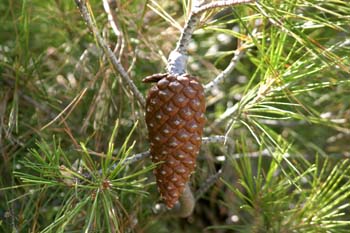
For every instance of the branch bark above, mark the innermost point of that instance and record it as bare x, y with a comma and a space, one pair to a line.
218, 4
178, 57
237, 56
109, 53
112, 18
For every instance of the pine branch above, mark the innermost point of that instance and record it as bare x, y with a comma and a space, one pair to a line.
214, 139
217, 4
145, 154
205, 140
109, 53
237, 56
228, 112
178, 57
208, 183
188, 29
112, 19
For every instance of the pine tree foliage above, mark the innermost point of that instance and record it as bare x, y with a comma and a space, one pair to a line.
71, 131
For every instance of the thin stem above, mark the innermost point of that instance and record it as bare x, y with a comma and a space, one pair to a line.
112, 19
210, 181
214, 139
109, 53
228, 112
145, 154
178, 57
237, 56
137, 157
188, 30
218, 4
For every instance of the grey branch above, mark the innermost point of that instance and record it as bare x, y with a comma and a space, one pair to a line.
207, 184
218, 4
255, 154
108, 6
145, 154
214, 139
109, 53
137, 157
188, 29
178, 57
111, 18
237, 56
268, 152
228, 112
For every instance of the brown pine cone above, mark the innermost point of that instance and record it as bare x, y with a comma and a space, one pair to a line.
175, 119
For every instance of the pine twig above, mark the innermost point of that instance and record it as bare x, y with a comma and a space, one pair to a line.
254, 154
145, 154
214, 139
112, 19
210, 181
178, 57
71, 106
228, 112
108, 52
137, 157
188, 29
218, 4
237, 56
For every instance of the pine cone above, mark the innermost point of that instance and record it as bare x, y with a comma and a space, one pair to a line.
175, 119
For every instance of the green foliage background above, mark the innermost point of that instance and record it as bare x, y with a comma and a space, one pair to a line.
65, 115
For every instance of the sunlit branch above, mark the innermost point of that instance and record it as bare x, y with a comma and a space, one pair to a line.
108, 52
